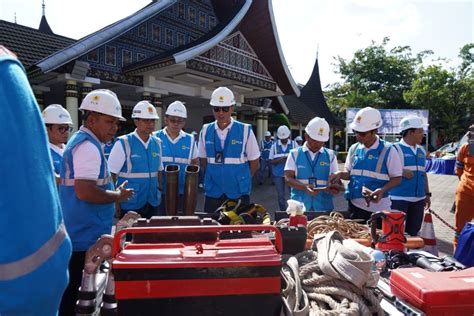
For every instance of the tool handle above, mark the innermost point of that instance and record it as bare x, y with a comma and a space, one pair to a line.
117, 245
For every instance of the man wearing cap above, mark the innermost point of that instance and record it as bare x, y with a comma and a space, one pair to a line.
278, 154
413, 193
136, 158
178, 148
86, 190
372, 167
265, 146
229, 153
58, 125
308, 168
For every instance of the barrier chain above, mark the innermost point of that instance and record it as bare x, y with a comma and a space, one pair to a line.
442, 220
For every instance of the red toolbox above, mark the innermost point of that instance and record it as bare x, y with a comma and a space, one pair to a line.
212, 277
435, 293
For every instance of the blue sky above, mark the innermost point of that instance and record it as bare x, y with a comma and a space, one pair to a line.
337, 27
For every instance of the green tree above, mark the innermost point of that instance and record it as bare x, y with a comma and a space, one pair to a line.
448, 94
376, 76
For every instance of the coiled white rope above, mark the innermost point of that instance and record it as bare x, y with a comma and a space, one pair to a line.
310, 291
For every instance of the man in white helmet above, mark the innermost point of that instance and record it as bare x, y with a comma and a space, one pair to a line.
308, 168
372, 166
229, 153
179, 148
299, 140
278, 155
58, 125
413, 194
86, 190
265, 146
136, 158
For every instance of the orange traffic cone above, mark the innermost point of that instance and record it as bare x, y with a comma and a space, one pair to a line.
428, 234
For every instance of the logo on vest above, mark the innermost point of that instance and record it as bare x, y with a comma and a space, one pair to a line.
235, 141
370, 157
154, 154
420, 155
323, 163
184, 147
209, 142
136, 156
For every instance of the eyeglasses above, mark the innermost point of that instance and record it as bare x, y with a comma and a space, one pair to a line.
64, 129
225, 109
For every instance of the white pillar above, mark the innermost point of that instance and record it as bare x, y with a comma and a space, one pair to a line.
72, 102
260, 131
265, 122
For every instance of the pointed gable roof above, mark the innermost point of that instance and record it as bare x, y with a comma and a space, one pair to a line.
29, 44
102, 36
44, 26
312, 95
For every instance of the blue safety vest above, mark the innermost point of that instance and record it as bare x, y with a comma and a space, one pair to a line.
179, 154
56, 158
231, 176
141, 170
265, 146
85, 221
34, 246
369, 169
414, 187
319, 168
278, 169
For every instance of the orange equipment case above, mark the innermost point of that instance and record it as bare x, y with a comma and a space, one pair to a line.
212, 277
435, 293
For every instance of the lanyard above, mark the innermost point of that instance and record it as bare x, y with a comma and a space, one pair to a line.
218, 148
312, 163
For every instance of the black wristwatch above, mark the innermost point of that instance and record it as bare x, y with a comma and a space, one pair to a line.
428, 194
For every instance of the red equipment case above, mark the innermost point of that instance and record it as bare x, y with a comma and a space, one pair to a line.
212, 277
435, 293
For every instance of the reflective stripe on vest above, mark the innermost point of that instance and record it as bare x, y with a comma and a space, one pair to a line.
370, 174
16, 269
70, 182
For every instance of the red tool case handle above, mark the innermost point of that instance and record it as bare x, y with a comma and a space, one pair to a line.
117, 246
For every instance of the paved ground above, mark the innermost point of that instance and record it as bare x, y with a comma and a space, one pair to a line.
443, 188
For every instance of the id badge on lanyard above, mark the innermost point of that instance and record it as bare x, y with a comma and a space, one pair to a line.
312, 181
219, 157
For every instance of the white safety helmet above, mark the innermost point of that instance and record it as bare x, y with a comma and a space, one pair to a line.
298, 138
56, 114
144, 110
222, 96
367, 119
268, 134
283, 132
178, 109
318, 129
102, 101
412, 121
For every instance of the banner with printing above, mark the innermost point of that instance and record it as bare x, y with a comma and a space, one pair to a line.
391, 119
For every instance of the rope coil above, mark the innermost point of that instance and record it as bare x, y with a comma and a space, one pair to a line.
335, 221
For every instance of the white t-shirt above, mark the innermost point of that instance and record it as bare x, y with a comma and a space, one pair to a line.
291, 164
87, 159
409, 198
394, 167
252, 150
117, 155
182, 134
